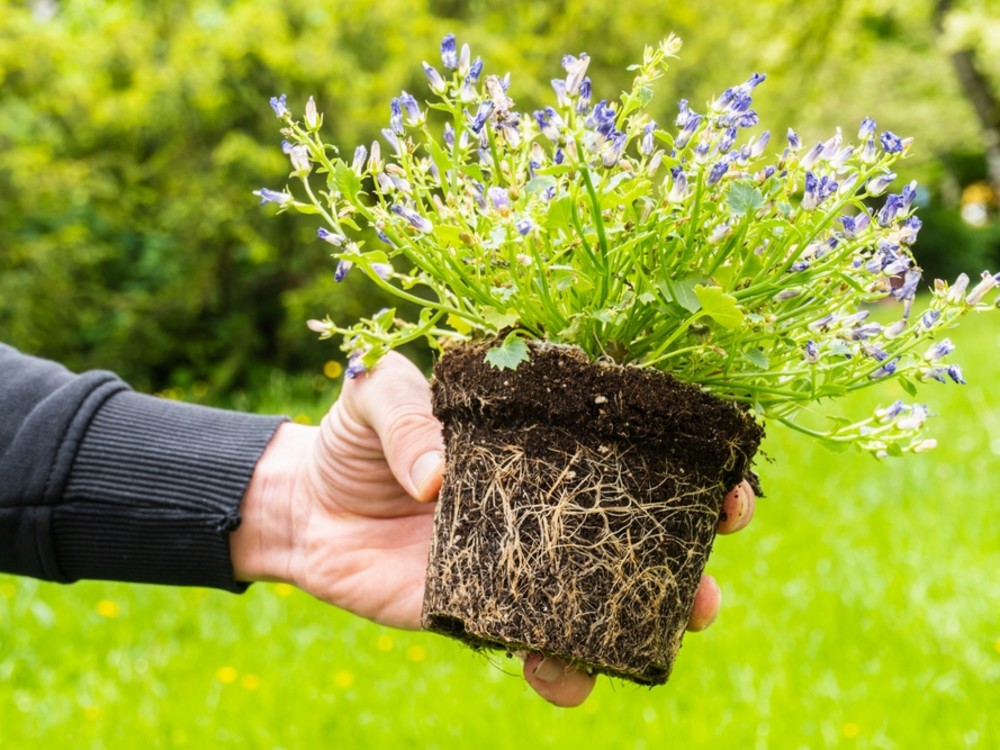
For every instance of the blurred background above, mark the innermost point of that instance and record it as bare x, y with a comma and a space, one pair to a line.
863, 605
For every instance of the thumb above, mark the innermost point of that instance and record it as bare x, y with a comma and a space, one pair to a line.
394, 400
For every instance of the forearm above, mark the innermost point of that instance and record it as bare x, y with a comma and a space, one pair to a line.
99, 482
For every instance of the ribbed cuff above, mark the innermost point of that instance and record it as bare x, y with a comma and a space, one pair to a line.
155, 491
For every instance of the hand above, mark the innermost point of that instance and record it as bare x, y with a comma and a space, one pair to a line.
345, 512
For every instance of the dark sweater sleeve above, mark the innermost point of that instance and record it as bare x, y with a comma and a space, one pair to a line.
97, 481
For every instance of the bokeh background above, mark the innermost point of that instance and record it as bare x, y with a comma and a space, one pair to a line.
862, 606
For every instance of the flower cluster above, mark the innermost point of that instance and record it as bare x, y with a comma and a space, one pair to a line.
685, 247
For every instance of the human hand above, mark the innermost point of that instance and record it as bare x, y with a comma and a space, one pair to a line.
345, 512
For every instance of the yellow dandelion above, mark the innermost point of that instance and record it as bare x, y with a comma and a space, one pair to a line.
92, 713
226, 675
384, 643
250, 682
851, 730
416, 653
108, 608
283, 589
343, 678
333, 369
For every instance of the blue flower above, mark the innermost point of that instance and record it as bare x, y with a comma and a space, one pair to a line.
794, 142
817, 190
449, 52
583, 103
482, 115
727, 140
867, 129
278, 104
272, 196
550, 123
499, 197
343, 267
524, 226
868, 152
888, 213
679, 187
613, 148
955, 373
412, 109
891, 143
576, 69
812, 351
602, 119
384, 237
717, 171
908, 289
908, 231
396, 116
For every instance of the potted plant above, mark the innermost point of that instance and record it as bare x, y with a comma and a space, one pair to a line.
619, 307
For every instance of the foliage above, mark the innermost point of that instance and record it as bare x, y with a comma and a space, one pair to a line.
683, 248
129, 130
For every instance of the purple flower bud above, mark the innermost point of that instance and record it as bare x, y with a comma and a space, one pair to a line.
955, 373
727, 140
449, 135
929, 318
896, 329
482, 115
355, 365
648, 143
576, 69
759, 144
794, 142
524, 226
812, 351
343, 267
437, 83
417, 221
867, 129
583, 103
449, 52
475, 70
889, 368
335, 239
272, 196
384, 237
613, 148
940, 349
499, 197
811, 156
679, 187
800, 265
908, 289
684, 115
382, 270
891, 143
868, 152
409, 103
987, 283
278, 104
396, 116
879, 184
358, 163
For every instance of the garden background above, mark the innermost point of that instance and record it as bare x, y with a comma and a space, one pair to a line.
862, 606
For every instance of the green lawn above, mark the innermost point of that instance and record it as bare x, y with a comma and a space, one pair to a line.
862, 609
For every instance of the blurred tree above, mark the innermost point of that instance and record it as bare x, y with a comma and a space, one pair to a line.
131, 135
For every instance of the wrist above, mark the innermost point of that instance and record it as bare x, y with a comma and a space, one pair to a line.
263, 547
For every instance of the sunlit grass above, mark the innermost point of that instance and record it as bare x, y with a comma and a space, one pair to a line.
862, 609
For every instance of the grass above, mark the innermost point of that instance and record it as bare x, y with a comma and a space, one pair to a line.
860, 611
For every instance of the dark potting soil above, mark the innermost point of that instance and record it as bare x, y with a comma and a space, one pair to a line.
579, 506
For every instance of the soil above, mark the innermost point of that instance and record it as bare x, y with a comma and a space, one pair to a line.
579, 506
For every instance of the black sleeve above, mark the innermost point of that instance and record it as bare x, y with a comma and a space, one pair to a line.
97, 481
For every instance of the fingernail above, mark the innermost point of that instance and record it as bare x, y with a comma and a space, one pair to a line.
425, 468
549, 670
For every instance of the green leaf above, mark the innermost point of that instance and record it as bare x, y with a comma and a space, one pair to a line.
508, 355
744, 198
908, 386
347, 182
683, 292
560, 213
500, 320
757, 358
459, 324
723, 307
